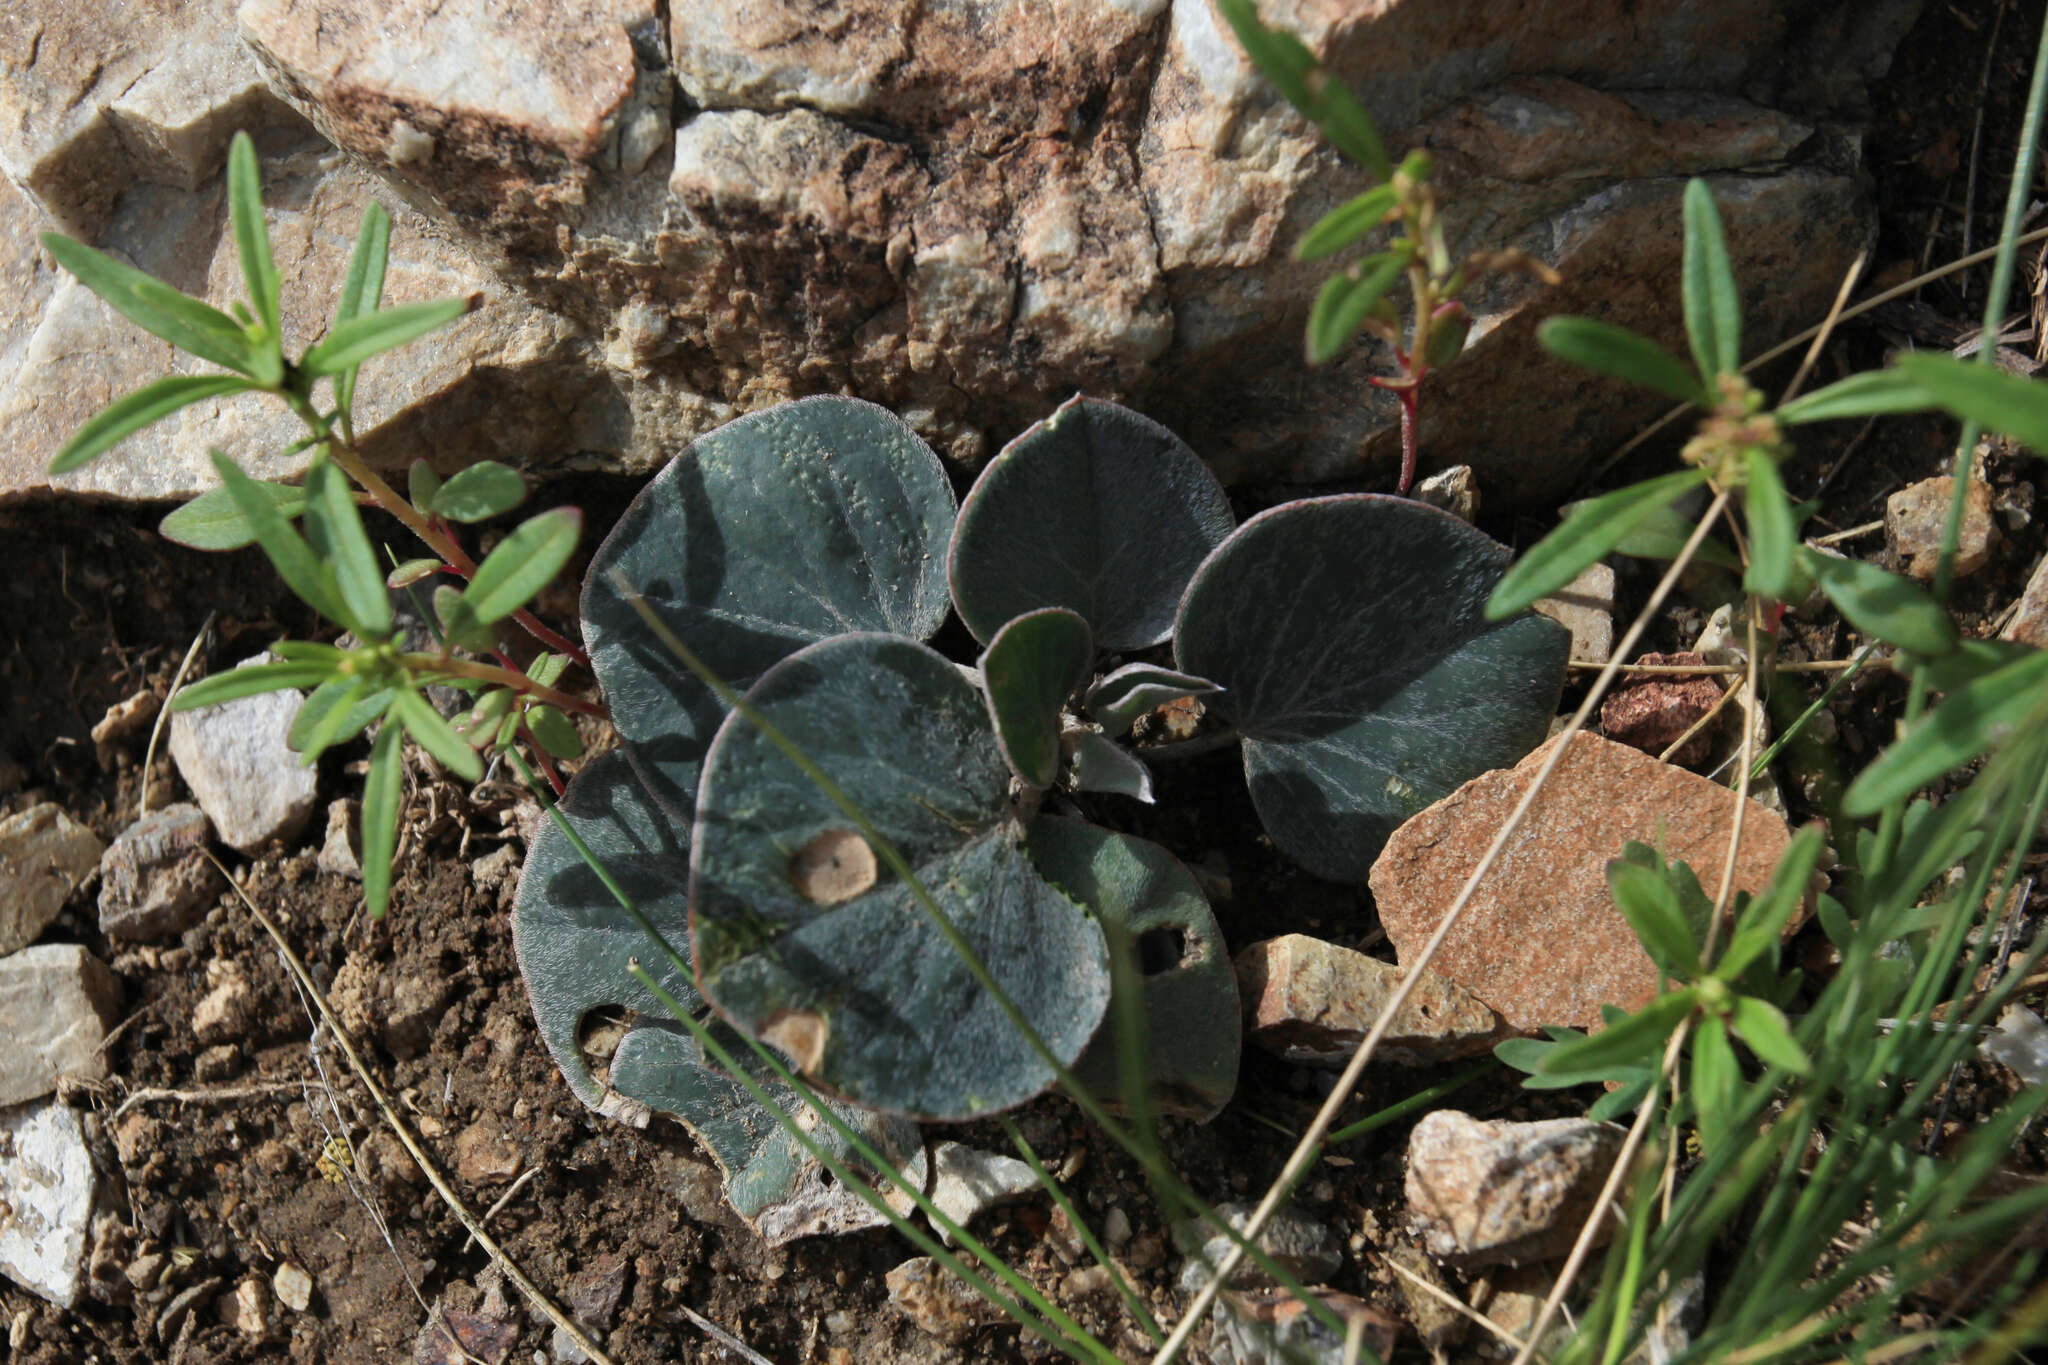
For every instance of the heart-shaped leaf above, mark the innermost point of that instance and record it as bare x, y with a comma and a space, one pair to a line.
1350, 637
1190, 1012
805, 940
772, 1182
1095, 509
789, 525
1028, 671
572, 937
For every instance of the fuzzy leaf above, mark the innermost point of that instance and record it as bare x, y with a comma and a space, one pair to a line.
362, 289
459, 627
476, 493
2008, 403
1190, 1008
214, 521
803, 937
1350, 638
1713, 309
1027, 673
1592, 531
155, 307
1763, 1027
410, 572
1616, 351
1095, 509
1773, 534
787, 526
1870, 394
348, 344
523, 563
252, 245
1100, 764
130, 413
1119, 698
555, 732
1884, 605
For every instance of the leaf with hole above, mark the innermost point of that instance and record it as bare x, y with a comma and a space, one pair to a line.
789, 525
1027, 672
804, 937
1349, 635
1095, 509
1138, 889
1117, 699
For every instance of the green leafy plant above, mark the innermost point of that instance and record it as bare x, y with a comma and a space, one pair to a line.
315, 535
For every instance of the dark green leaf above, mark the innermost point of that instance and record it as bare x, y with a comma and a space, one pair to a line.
435, 735
1870, 394
252, 244
349, 344
1095, 509
245, 682
803, 936
156, 308
214, 520
1100, 764
1634, 1041
1773, 537
1713, 310
383, 794
302, 571
335, 531
1349, 636
1607, 349
1028, 671
1592, 532
1969, 661
1716, 1076
1763, 921
1350, 129
1884, 605
2008, 403
1630, 1091
1345, 299
362, 289
1835, 921
1119, 698
1345, 224
523, 563
477, 493
424, 485
1647, 901
1967, 723
554, 731
1763, 1027
132, 412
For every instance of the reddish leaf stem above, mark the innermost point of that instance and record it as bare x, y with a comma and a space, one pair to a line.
541, 758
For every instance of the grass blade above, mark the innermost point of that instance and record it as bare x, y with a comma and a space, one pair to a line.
130, 413
156, 308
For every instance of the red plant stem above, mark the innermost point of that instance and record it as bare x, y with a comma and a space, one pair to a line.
1408, 403
540, 758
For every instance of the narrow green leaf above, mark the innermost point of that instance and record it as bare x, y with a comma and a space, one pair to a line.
214, 521
1345, 300
1636, 1040
1763, 921
1345, 224
412, 571
1607, 349
335, 530
362, 289
1967, 723
336, 716
1713, 310
435, 735
1630, 1091
1350, 129
1647, 901
1773, 536
1715, 1076
155, 307
302, 570
308, 652
383, 794
2008, 403
247, 682
1588, 535
478, 493
459, 626
1969, 661
1884, 605
555, 732
252, 244
132, 412
349, 344
1761, 1025
1662, 535
422, 485
523, 563
1874, 393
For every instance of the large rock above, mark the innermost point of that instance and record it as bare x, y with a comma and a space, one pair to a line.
1485, 1193
1541, 941
49, 1187
56, 1003
964, 212
44, 856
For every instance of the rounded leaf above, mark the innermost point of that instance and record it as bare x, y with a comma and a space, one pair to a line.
1137, 888
805, 939
1028, 671
1095, 509
574, 940
791, 524
1350, 637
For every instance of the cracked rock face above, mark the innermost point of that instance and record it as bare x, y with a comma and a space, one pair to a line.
965, 211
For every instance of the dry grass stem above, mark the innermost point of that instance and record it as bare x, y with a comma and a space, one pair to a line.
163, 713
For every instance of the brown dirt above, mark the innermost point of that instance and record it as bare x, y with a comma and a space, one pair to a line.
98, 606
